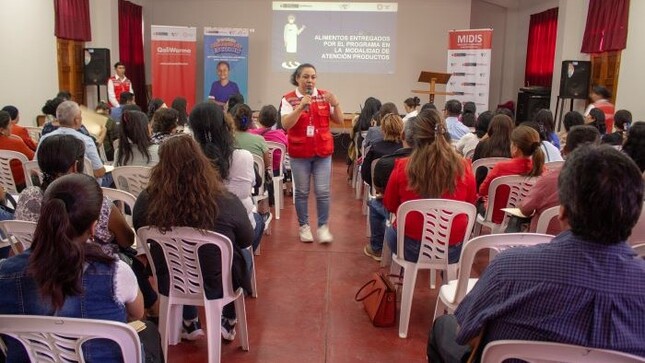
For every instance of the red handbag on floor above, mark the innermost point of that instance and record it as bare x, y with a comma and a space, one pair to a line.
379, 300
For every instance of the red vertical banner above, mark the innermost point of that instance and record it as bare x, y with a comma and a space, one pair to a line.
174, 63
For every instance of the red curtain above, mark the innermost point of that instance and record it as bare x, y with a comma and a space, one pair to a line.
540, 52
606, 28
131, 48
72, 20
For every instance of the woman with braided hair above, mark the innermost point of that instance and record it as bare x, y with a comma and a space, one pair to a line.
433, 170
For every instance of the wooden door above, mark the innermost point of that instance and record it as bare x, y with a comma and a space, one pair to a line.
70, 68
604, 71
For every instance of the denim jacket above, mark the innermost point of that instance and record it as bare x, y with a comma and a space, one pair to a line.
19, 295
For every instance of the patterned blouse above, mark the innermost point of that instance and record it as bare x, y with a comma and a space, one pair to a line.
28, 209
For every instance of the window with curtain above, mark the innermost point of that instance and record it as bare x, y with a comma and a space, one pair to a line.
540, 52
606, 28
131, 48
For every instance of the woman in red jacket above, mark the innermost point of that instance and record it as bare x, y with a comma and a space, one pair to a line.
433, 170
528, 160
306, 113
13, 143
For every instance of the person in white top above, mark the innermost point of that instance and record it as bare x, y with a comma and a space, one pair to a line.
117, 84
411, 105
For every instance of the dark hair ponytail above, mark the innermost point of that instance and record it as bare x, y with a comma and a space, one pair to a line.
70, 205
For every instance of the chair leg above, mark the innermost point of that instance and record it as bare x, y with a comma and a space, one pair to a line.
439, 310
409, 280
276, 197
164, 314
254, 283
433, 279
214, 331
240, 312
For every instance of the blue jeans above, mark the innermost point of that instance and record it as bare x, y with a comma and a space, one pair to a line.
412, 247
258, 230
378, 217
303, 169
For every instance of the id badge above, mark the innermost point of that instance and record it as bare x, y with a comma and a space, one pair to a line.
310, 131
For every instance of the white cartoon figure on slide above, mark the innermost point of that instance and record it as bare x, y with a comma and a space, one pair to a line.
291, 33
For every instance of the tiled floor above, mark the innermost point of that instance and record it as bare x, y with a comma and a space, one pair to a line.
305, 311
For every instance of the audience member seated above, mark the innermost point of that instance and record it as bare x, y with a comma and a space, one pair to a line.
111, 130
51, 123
428, 106
164, 125
506, 111
233, 100
467, 144
451, 112
634, 146
391, 127
411, 105
60, 155
600, 96
378, 215
64, 275
135, 147
469, 115
18, 130
204, 204
14, 143
125, 98
622, 123
571, 119
235, 166
70, 118
544, 119
586, 287
596, 118
495, 144
361, 123
374, 133
528, 160
433, 170
242, 119
154, 105
544, 194
551, 153
268, 118
179, 104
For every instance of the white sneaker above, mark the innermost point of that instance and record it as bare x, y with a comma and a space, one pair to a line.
305, 234
324, 236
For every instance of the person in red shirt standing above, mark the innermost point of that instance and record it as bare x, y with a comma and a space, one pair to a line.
433, 170
306, 114
117, 84
17, 129
13, 143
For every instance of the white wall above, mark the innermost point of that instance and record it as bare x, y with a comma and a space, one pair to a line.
28, 61
486, 15
422, 32
632, 71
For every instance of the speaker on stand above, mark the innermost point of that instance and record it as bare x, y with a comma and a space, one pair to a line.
97, 68
574, 84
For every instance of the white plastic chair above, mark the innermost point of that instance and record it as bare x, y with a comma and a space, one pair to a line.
438, 216
553, 164
21, 231
123, 199
56, 339
278, 195
180, 246
452, 293
132, 179
258, 161
34, 133
32, 169
545, 219
519, 187
549, 352
489, 163
6, 176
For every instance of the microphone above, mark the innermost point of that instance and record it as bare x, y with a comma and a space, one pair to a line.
309, 92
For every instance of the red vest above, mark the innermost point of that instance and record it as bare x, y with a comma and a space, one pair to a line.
120, 86
322, 143
608, 109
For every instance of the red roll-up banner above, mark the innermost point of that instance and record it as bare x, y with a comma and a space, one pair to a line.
174, 63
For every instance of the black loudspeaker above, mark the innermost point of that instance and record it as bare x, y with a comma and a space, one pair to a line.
97, 66
529, 104
574, 79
